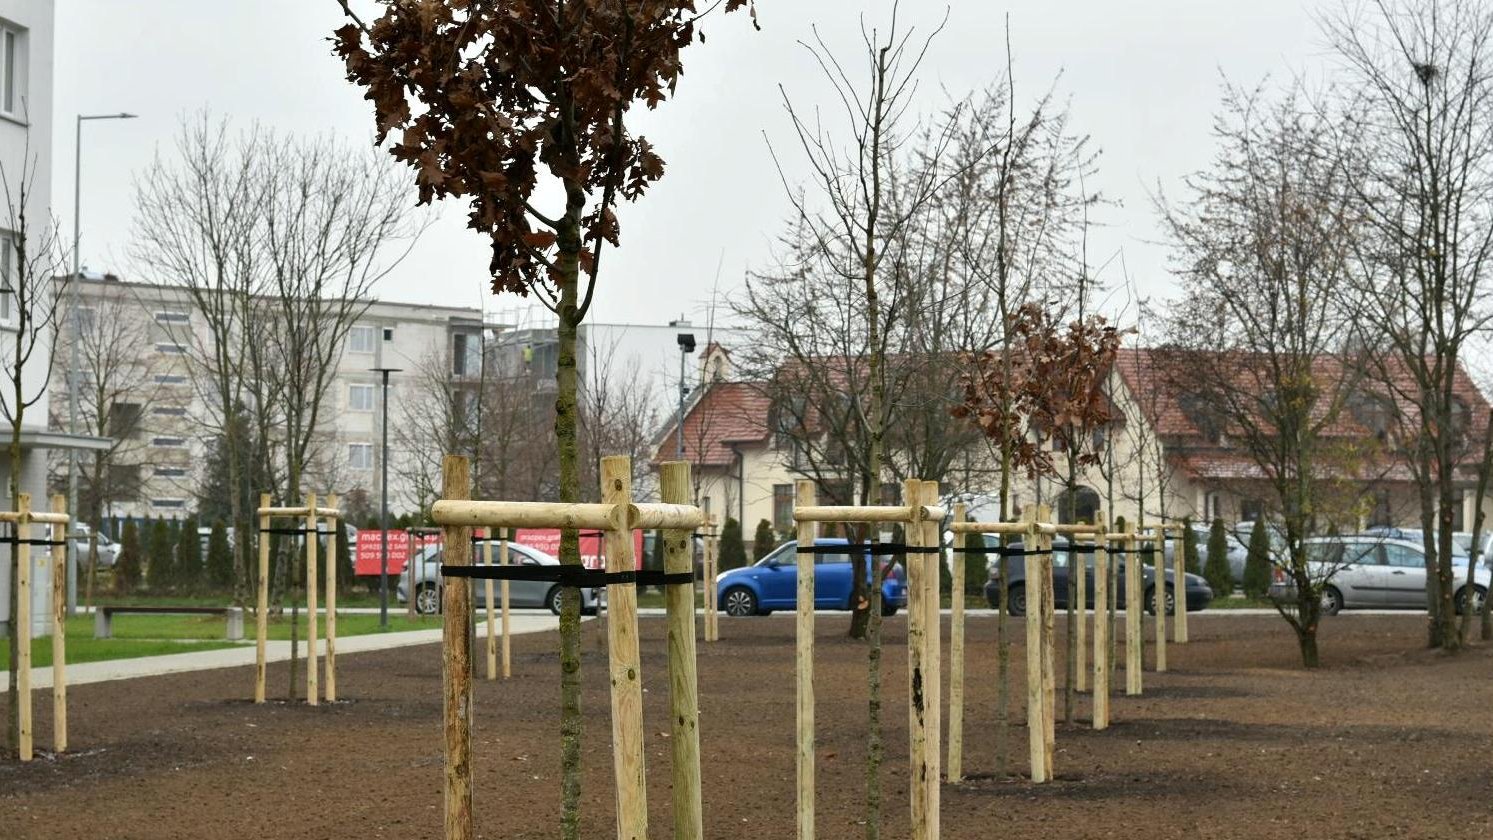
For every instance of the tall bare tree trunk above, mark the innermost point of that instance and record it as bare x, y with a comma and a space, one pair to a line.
568, 240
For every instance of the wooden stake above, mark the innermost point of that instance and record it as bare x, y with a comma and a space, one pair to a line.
23, 623
1179, 584
1049, 641
330, 688
456, 662
933, 659
492, 632
684, 697
1078, 564
262, 601
1134, 598
59, 627
918, 689
1035, 695
713, 555
955, 769
804, 660
313, 662
503, 593
1101, 628
1159, 596
623, 657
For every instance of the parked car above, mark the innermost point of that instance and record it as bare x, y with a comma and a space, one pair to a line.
1197, 592
77, 539
1461, 541
1371, 570
1237, 539
521, 593
772, 582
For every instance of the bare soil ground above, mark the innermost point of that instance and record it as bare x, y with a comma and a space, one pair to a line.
1386, 741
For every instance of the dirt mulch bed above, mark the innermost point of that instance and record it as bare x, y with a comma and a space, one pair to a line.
1387, 740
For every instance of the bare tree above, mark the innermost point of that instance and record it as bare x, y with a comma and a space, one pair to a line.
1419, 96
1261, 350
113, 401
31, 289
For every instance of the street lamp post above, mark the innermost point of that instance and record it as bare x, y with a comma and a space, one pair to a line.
77, 324
383, 503
686, 343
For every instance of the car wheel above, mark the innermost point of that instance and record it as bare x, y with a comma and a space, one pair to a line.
888, 609
1332, 601
739, 601
1017, 600
427, 599
1478, 595
1171, 601
554, 599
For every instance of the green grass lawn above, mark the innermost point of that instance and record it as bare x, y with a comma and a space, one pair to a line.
88, 649
153, 635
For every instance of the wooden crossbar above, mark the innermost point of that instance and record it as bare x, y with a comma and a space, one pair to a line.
867, 513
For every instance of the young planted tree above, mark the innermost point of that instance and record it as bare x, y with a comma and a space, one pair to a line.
1419, 98
188, 561
513, 104
129, 565
160, 571
218, 573
763, 541
32, 258
1257, 563
1217, 571
733, 550
1262, 350
1190, 548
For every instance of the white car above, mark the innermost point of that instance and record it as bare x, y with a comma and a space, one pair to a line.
1372, 571
77, 544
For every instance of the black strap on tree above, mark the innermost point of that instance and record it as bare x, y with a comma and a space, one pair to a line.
575, 577
873, 549
1003, 551
13, 536
1088, 548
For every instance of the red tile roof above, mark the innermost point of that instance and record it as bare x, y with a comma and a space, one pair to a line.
727, 413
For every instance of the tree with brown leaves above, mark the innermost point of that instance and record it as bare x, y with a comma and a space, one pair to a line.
502, 105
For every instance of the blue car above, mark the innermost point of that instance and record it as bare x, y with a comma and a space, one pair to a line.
772, 582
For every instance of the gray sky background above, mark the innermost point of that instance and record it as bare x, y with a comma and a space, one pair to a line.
1143, 78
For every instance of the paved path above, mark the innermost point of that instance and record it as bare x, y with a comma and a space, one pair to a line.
275, 651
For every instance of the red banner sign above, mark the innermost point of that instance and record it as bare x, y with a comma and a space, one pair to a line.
369, 552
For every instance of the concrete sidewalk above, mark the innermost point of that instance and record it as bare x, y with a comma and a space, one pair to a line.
275, 651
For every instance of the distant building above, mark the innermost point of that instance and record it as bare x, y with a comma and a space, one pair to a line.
745, 463
26, 120
160, 468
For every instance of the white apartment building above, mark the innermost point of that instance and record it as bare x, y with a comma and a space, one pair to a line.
168, 428
26, 38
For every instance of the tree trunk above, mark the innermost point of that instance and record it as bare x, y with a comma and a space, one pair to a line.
1070, 673
568, 260
873, 707
13, 714
1308, 617
1002, 646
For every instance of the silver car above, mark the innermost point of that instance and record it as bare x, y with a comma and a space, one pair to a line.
521, 593
77, 538
1373, 571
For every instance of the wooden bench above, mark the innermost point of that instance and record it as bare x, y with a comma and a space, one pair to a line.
103, 617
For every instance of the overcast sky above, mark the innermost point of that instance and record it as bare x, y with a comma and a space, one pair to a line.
1142, 76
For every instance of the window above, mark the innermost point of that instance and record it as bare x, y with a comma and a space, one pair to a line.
7, 273
169, 472
388, 333
170, 504
1251, 510
782, 507
360, 339
170, 379
1404, 557
171, 348
169, 411
360, 456
466, 355
360, 397
11, 92
171, 317
169, 442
